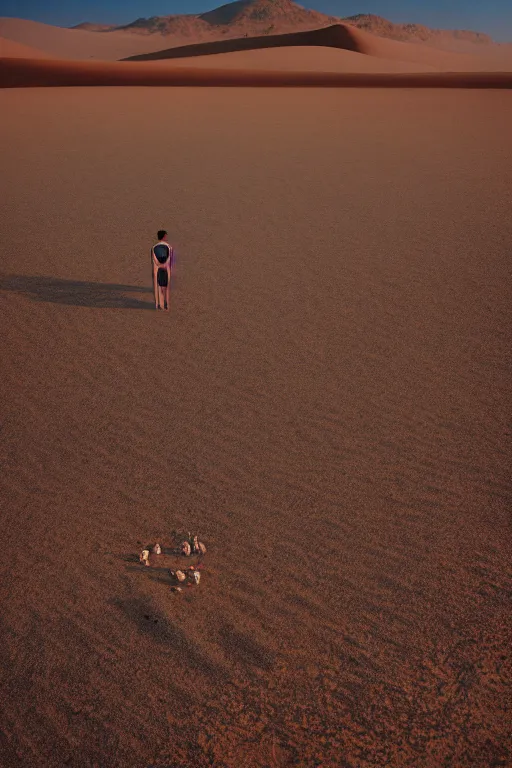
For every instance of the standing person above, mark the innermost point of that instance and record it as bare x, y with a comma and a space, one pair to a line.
161, 259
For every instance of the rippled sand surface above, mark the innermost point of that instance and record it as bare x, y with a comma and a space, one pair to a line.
327, 404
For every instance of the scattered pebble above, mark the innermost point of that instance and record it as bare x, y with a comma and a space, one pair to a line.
198, 547
144, 557
186, 549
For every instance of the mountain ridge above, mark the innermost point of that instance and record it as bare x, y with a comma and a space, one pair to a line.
262, 17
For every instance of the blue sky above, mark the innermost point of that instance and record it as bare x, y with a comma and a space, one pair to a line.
491, 16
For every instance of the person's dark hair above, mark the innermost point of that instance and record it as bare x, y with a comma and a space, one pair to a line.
161, 234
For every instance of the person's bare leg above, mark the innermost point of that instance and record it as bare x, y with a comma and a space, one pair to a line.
155, 288
161, 296
168, 293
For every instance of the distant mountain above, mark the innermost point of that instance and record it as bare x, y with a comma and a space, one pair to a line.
238, 19
89, 27
177, 25
251, 18
268, 12
411, 32
227, 14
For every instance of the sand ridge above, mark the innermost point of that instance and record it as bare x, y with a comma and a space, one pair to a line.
341, 36
28, 73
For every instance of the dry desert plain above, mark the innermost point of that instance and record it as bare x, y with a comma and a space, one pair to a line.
327, 403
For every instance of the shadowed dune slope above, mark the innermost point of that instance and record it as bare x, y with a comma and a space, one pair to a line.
341, 36
23, 73
336, 36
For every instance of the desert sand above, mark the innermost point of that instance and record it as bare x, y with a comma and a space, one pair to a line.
26, 73
336, 56
441, 54
307, 58
326, 403
78, 44
13, 49
348, 38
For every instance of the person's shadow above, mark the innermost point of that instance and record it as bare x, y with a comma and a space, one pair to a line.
76, 293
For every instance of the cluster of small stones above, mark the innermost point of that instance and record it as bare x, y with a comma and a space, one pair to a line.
191, 546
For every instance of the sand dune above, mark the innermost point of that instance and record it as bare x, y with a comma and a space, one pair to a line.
29, 73
78, 44
344, 37
301, 59
327, 404
12, 49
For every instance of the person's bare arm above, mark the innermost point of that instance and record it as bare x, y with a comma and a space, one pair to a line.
155, 263
155, 287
